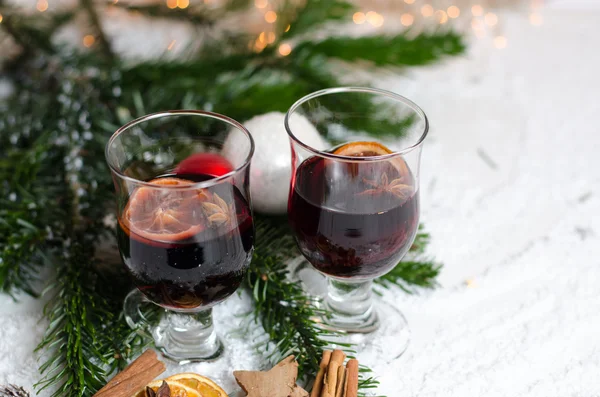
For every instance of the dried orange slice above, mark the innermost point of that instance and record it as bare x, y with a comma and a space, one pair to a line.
362, 149
165, 215
177, 389
205, 386
367, 149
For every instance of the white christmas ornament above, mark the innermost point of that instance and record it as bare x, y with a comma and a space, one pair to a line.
271, 168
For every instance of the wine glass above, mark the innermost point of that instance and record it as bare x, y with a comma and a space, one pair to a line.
185, 231
354, 208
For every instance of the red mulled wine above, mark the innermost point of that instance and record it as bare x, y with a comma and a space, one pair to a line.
353, 219
186, 248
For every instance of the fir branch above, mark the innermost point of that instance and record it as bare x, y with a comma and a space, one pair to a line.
409, 274
29, 38
13, 391
281, 306
314, 13
162, 11
74, 365
105, 47
399, 50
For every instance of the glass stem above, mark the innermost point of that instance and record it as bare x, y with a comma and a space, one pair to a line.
191, 334
351, 305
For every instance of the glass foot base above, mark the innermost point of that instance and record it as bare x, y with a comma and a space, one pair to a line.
383, 344
382, 334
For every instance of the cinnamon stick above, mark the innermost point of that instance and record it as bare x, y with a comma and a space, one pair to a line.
133, 378
341, 381
318, 386
337, 360
352, 377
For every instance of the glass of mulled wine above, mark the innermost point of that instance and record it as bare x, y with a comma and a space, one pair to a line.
354, 208
185, 231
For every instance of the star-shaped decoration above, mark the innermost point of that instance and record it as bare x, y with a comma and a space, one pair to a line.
280, 381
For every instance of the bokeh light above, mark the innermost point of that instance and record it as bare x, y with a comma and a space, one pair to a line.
359, 18
42, 5
285, 49
271, 16
407, 19
477, 10
453, 11
500, 42
427, 10
88, 40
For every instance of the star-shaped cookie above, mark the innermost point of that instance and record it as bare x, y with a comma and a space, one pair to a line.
280, 381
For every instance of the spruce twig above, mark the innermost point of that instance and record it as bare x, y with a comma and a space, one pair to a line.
281, 306
13, 391
103, 41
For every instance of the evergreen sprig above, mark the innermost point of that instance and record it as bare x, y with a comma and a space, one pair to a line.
13, 391
55, 189
281, 306
287, 314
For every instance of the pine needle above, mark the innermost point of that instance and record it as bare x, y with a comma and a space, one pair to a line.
13, 391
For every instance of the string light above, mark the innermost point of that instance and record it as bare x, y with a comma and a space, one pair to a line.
477, 26
441, 16
375, 19
262, 37
88, 40
477, 10
491, 19
500, 42
536, 19
1, 18
259, 45
171, 45
288, 28
427, 10
453, 11
42, 5
261, 3
409, 1
183, 3
271, 37
271, 16
285, 49
407, 19
172, 4
359, 18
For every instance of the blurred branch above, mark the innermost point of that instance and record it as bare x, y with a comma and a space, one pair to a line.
315, 13
162, 11
400, 50
103, 42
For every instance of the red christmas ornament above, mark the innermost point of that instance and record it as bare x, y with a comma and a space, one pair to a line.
205, 163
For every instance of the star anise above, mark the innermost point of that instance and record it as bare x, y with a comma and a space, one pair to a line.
163, 391
395, 186
217, 211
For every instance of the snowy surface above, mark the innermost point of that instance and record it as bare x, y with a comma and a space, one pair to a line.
511, 197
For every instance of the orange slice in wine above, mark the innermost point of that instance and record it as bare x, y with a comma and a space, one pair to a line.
368, 149
163, 214
362, 149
